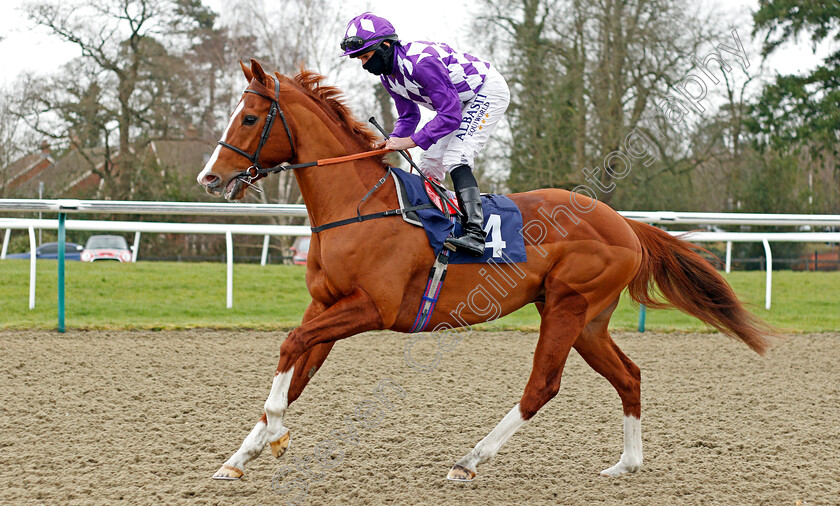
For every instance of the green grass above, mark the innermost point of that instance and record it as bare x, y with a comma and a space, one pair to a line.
153, 295
161, 295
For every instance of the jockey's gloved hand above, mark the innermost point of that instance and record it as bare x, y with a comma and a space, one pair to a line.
381, 145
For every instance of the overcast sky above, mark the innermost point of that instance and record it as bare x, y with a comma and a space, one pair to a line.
28, 48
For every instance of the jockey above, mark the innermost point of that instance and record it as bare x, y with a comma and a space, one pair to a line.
469, 98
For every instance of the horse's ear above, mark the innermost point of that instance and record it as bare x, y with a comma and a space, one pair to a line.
245, 70
259, 73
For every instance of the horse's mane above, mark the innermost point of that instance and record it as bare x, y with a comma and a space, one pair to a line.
331, 98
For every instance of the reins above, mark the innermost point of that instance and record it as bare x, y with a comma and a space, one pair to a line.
326, 161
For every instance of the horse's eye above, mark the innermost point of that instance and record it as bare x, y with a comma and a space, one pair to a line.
249, 120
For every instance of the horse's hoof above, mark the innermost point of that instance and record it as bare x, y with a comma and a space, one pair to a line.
227, 472
460, 473
279, 447
619, 470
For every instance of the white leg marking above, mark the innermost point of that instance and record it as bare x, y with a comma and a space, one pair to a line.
277, 402
262, 433
487, 448
251, 447
209, 165
631, 459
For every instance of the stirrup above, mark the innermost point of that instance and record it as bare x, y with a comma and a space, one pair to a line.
466, 243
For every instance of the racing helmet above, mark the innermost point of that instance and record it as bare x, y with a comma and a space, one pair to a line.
366, 32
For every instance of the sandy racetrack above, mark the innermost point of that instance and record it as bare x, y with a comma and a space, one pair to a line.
103, 417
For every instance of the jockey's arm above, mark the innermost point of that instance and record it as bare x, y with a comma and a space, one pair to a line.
408, 115
434, 78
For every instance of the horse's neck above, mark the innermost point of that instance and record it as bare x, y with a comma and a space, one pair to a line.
330, 192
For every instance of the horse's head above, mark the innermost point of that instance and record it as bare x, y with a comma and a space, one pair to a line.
247, 142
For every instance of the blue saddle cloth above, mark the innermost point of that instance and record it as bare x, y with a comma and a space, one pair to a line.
502, 222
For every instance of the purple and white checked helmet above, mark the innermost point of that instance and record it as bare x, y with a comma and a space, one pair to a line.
366, 32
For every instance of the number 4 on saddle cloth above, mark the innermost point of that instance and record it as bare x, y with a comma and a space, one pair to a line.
502, 222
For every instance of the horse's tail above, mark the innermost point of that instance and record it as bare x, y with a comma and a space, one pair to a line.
691, 284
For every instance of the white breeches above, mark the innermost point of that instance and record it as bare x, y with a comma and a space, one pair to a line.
479, 117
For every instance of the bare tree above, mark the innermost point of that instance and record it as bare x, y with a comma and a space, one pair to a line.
121, 78
586, 73
13, 143
298, 33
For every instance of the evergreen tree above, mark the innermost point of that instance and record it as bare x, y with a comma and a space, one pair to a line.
797, 117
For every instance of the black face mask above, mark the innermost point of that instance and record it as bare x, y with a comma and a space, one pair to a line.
381, 61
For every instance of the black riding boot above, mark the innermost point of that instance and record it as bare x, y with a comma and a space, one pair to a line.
472, 238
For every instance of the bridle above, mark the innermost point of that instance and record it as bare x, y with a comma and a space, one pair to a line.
256, 171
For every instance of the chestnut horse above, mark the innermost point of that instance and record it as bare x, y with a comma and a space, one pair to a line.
371, 275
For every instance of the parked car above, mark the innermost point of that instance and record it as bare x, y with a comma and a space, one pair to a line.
300, 249
49, 251
106, 247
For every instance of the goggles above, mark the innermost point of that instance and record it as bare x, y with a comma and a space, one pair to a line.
354, 43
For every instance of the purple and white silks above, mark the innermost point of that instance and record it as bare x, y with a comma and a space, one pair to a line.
437, 77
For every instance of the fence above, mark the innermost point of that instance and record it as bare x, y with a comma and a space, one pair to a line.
63, 207
764, 238
152, 227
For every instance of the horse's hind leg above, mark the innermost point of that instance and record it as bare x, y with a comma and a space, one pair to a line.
563, 318
602, 354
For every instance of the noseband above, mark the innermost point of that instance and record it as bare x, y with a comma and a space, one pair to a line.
255, 171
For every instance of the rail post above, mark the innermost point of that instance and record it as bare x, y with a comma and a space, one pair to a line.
32, 247
5, 243
229, 248
61, 219
264, 257
769, 282
642, 311
136, 247
728, 256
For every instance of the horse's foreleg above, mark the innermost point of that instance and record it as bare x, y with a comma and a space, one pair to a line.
253, 445
306, 367
287, 387
349, 316
303, 350
563, 318
256, 440
598, 349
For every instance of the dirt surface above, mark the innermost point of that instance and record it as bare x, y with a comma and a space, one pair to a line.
148, 417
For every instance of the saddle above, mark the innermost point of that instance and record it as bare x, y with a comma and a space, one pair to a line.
503, 220
411, 216
451, 204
